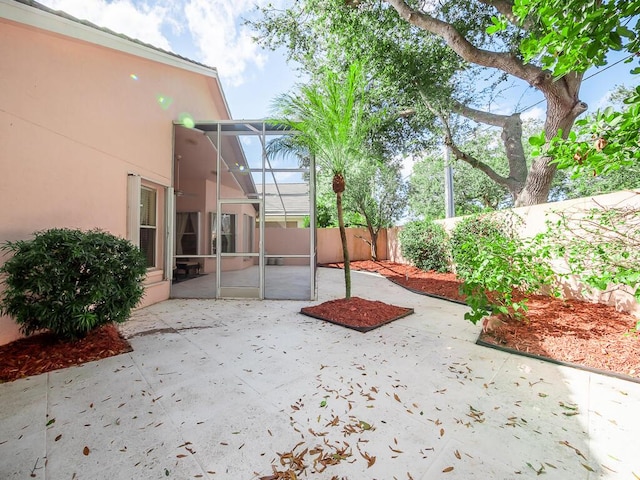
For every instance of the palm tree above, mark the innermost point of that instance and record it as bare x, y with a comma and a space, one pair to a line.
331, 125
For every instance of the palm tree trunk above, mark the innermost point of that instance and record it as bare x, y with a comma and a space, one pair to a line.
345, 250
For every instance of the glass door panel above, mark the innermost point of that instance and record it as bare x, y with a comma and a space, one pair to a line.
237, 242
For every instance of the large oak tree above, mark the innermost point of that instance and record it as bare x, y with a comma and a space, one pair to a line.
424, 60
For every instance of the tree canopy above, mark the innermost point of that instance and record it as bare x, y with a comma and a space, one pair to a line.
378, 194
574, 35
429, 64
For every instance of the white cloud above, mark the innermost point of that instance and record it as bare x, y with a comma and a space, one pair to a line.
223, 42
218, 36
535, 113
142, 21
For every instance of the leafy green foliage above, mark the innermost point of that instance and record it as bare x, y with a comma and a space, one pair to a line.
473, 190
70, 282
601, 143
573, 35
498, 269
328, 34
377, 194
329, 117
419, 75
426, 245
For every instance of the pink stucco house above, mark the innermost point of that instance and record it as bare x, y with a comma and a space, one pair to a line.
97, 131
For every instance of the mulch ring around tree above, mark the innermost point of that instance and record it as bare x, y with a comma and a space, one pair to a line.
357, 313
44, 353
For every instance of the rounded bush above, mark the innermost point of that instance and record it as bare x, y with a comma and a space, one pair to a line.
499, 270
472, 235
426, 244
70, 281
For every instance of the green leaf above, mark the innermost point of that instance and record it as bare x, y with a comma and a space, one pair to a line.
538, 140
364, 425
625, 32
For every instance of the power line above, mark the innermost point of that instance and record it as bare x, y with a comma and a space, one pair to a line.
486, 129
583, 80
598, 72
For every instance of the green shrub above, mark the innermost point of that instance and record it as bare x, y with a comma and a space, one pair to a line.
497, 268
426, 244
470, 233
70, 282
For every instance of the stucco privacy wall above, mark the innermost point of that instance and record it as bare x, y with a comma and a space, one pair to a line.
534, 222
330, 245
75, 119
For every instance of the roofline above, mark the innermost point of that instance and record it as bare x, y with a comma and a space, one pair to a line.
34, 14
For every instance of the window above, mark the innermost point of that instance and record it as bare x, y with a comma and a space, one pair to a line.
148, 225
228, 233
187, 233
249, 227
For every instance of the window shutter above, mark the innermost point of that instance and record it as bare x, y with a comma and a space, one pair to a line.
133, 209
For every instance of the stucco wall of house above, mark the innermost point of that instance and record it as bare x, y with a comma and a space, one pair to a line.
76, 119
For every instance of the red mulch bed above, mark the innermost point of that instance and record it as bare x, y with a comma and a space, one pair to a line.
357, 313
591, 335
43, 353
588, 334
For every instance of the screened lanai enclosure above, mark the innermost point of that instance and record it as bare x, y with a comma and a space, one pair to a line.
244, 224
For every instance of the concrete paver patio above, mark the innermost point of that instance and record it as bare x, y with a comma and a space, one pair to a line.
217, 388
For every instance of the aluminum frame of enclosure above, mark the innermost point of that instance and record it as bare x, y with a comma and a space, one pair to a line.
225, 135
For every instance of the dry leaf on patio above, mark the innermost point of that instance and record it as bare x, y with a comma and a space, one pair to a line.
369, 458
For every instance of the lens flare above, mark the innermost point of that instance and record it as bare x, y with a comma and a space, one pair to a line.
164, 101
134, 76
187, 120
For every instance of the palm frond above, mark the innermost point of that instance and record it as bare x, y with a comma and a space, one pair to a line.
330, 119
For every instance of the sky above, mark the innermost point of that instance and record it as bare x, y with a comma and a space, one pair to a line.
212, 32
